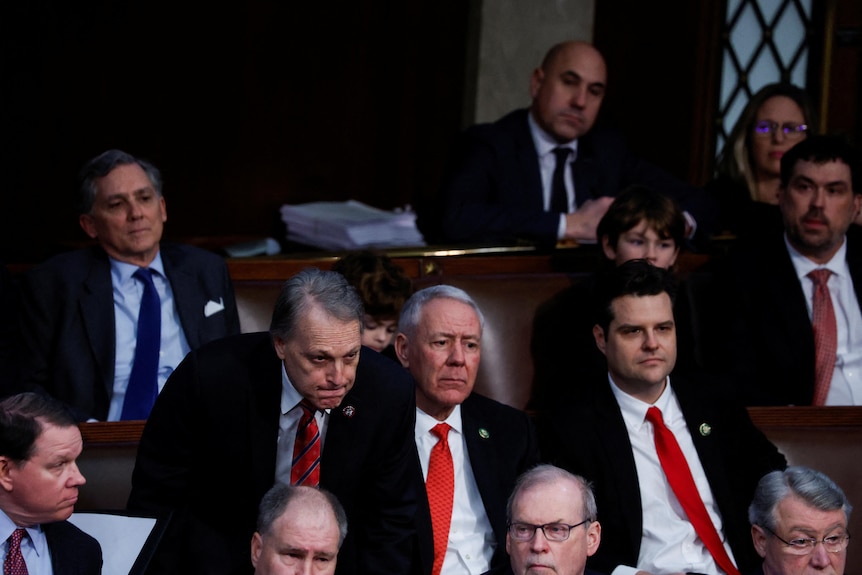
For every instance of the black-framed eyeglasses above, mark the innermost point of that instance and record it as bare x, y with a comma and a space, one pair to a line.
806, 545
552, 531
766, 128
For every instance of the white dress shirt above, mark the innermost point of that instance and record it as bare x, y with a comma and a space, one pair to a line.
288, 422
846, 386
471, 538
669, 543
34, 547
127, 304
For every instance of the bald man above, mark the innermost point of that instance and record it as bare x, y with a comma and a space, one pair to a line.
505, 183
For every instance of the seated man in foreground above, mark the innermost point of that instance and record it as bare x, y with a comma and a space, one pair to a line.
296, 405
799, 520
299, 530
39, 481
471, 448
674, 463
552, 524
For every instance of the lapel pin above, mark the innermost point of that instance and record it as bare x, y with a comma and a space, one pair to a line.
348, 411
483, 433
705, 429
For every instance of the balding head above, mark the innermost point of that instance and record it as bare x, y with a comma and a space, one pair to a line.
568, 89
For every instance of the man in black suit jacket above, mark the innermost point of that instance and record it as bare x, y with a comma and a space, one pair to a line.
605, 438
439, 342
39, 481
72, 305
770, 299
231, 411
500, 187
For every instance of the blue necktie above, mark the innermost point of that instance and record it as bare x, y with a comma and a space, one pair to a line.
143, 385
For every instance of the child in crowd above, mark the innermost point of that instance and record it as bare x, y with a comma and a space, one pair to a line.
383, 288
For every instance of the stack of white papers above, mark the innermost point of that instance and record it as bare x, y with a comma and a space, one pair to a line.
349, 225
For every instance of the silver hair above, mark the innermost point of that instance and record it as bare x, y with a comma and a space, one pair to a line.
309, 288
276, 500
411, 313
546, 474
810, 485
104, 164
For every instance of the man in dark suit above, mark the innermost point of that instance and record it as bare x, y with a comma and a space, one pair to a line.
773, 294
79, 311
39, 481
611, 437
488, 444
552, 523
546, 173
238, 408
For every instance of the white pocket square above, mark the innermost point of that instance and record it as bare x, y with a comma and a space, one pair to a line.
213, 307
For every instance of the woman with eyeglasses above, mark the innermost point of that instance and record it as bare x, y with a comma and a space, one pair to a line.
749, 168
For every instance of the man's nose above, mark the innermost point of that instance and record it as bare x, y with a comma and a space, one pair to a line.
820, 556
456, 354
579, 97
539, 543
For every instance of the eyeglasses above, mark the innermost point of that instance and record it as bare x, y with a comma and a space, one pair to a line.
805, 545
766, 128
552, 531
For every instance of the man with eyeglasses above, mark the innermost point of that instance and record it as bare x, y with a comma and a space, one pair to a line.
552, 523
799, 523
795, 334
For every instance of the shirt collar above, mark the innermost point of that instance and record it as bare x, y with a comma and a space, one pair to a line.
803, 266
122, 272
634, 410
37, 536
424, 422
544, 143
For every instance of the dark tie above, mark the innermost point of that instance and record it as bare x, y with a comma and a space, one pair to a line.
440, 486
681, 481
305, 466
825, 335
143, 383
14, 563
559, 198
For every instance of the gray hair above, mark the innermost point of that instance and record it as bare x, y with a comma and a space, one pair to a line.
411, 313
812, 486
104, 164
276, 500
309, 288
546, 474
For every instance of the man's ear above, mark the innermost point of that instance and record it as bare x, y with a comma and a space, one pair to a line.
536, 82
594, 537
279, 345
88, 225
401, 349
256, 548
758, 537
599, 336
6, 481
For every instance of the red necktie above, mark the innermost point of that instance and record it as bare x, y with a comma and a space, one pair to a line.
440, 486
681, 481
305, 467
14, 562
825, 335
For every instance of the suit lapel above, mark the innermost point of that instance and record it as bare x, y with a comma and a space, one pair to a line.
584, 171
186, 293
527, 158
483, 449
263, 417
97, 315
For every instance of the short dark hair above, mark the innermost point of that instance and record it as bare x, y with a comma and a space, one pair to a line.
23, 418
382, 285
276, 500
634, 277
822, 149
313, 287
104, 164
813, 487
638, 203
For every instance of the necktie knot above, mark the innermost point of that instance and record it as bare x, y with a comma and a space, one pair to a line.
307, 407
562, 154
144, 275
820, 277
441, 431
654, 416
